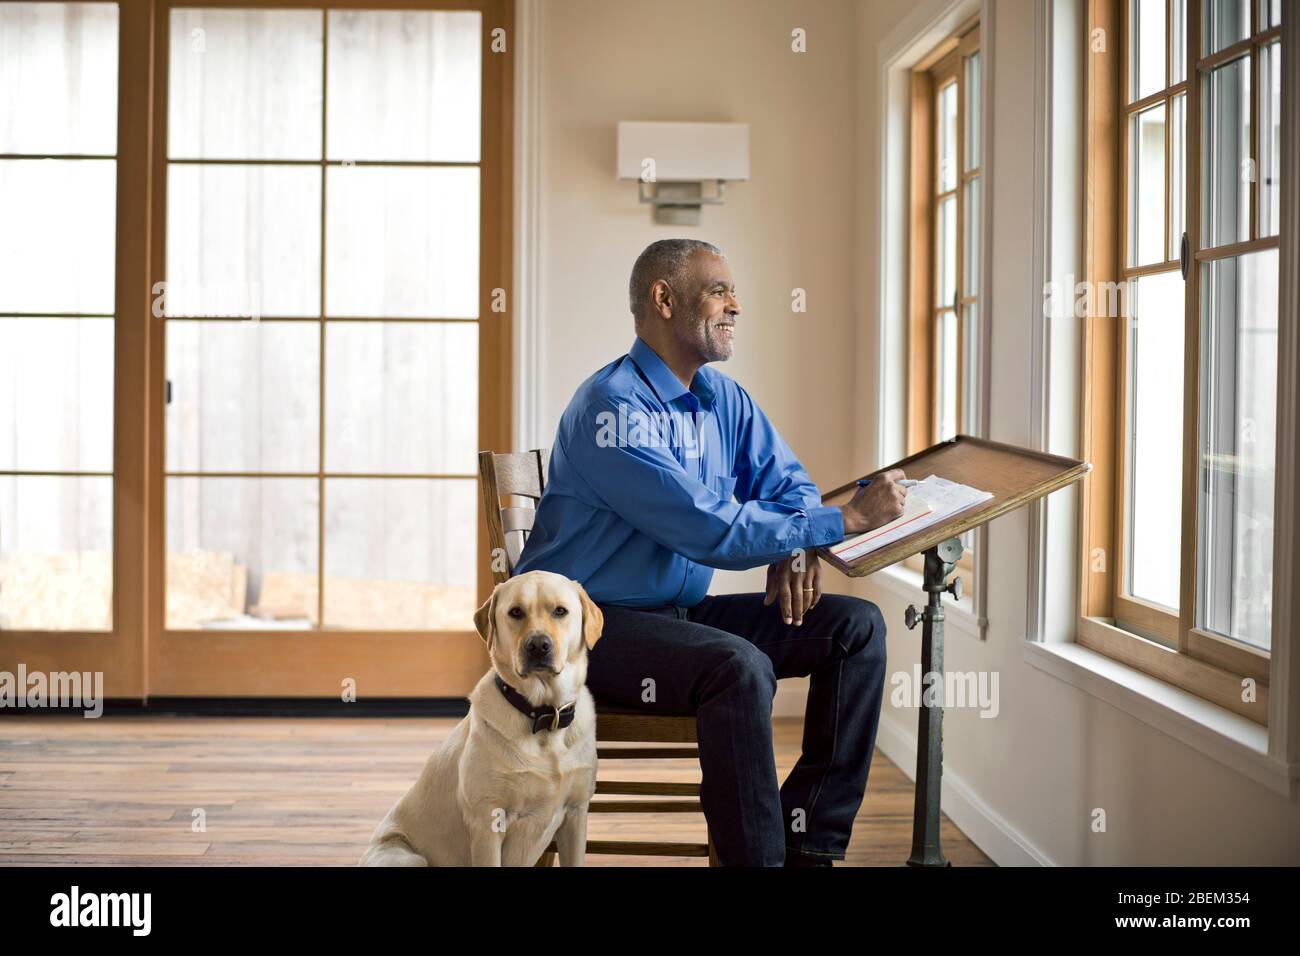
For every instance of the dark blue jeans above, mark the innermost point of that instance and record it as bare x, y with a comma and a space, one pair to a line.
720, 661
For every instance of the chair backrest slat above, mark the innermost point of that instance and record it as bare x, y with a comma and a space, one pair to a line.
510, 475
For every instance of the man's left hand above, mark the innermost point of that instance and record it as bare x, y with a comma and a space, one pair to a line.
797, 591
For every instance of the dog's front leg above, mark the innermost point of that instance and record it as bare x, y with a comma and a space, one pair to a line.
571, 837
485, 847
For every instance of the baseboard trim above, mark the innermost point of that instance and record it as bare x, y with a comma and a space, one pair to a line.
1003, 844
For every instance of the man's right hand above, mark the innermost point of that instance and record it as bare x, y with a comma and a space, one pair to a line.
878, 503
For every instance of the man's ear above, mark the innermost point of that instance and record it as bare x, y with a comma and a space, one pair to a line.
593, 620
485, 618
661, 298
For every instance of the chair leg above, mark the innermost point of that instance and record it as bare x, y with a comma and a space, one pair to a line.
546, 859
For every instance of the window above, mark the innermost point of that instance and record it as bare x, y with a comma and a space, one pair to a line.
1182, 352
945, 270
254, 328
943, 326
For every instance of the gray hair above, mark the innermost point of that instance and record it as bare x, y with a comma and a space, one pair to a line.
665, 259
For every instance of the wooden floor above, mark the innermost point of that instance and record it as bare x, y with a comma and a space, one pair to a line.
302, 791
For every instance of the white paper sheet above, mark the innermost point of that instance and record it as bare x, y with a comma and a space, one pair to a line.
945, 498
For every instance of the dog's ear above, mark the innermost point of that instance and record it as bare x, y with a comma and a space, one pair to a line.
593, 621
485, 618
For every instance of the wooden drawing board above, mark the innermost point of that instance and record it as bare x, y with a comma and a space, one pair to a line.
1016, 476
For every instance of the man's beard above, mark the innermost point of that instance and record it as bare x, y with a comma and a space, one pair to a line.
711, 348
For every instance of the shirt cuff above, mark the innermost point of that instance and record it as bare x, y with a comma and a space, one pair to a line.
827, 523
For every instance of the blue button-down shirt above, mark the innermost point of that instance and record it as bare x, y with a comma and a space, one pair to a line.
638, 505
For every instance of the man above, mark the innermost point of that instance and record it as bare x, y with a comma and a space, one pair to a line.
639, 508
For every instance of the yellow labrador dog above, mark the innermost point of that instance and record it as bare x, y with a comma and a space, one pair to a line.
520, 769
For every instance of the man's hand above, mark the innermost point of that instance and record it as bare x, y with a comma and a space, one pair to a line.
798, 591
878, 503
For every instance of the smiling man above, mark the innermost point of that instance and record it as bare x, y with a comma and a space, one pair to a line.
664, 469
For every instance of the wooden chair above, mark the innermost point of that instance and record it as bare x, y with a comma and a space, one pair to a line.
505, 480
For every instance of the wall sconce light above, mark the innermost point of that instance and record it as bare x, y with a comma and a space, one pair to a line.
671, 162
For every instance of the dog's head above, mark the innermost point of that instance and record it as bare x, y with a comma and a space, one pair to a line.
537, 624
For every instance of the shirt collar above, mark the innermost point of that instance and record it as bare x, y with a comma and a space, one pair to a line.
667, 386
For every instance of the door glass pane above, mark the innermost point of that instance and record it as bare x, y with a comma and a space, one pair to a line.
1239, 416
1155, 438
245, 396
1228, 169
404, 85
57, 220
402, 397
1178, 174
1147, 187
402, 241
56, 394
58, 78
1270, 137
1226, 22
244, 84
242, 552
947, 394
1147, 48
400, 553
972, 119
243, 240
58, 106
56, 553
948, 138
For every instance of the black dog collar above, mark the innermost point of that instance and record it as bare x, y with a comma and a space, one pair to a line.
543, 718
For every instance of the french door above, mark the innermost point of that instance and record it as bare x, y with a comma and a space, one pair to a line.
310, 343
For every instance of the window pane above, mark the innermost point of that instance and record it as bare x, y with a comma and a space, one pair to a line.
1270, 137
1147, 187
1178, 42
948, 138
947, 395
1228, 169
58, 78
972, 112
244, 84
970, 396
1147, 48
400, 554
242, 552
1226, 22
56, 394
402, 241
1178, 171
56, 553
971, 265
404, 85
1155, 438
946, 254
245, 396
57, 240
402, 397
1239, 413
243, 240
1270, 13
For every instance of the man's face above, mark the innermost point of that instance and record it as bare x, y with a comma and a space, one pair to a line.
707, 317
